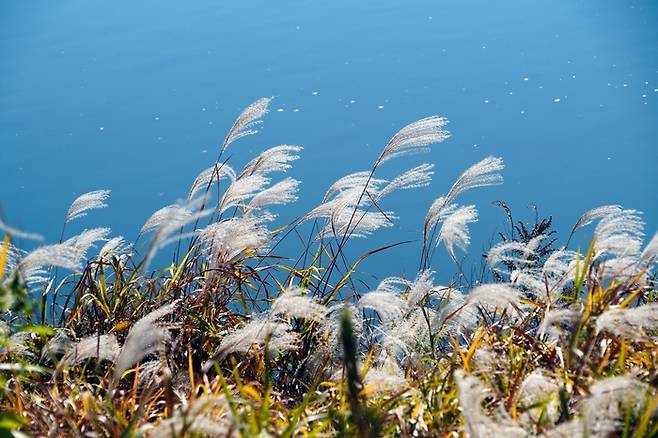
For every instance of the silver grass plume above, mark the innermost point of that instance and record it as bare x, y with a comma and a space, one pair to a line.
635, 324
471, 394
114, 246
227, 239
169, 221
102, 347
516, 252
421, 288
386, 376
595, 213
495, 295
419, 176
619, 234
453, 312
293, 303
276, 159
209, 176
86, 202
540, 391
247, 121
61, 255
163, 216
482, 174
415, 138
242, 189
257, 332
389, 307
558, 323
454, 230
59, 343
207, 415
18, 233
145, 337
367, 222
355, 183
281, 193
81, 243
610, 400
68, 255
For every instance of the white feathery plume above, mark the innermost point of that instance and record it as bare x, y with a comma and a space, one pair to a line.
393, 285
209, 176
293, 303
145, 337
207, 415
333, 327
276, 159
422, 287
174, 212
536, 387
595, 213
256, 332
408, 334
471, 394
419, 176
540, 391
227, 239
390, 307
558, 322
560, 264
18, 233
68, 255
281, 193
482, 174
386, 376
651, 250
247, 121
508, 252
609, 402
363, 223
495, 295
60, 343
169, 221
242, 189
355, 182
14, 257
619, 234
453, 312
530, 280
454, 231
415, 138
60, 255
116, 245
103, 347
86, 202
81, 243
636, 324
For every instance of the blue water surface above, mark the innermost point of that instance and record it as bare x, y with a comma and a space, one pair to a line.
135, 96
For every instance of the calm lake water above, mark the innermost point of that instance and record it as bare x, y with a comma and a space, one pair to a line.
136, 96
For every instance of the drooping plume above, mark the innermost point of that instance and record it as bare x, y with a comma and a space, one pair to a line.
415, 138
18, 233
210, 176
86, 202
454, 231
276, 159
247, 121
482, 174
145, 337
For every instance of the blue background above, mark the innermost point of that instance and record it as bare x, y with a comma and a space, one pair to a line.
136, 97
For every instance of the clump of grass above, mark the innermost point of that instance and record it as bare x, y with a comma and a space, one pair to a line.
234, 338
